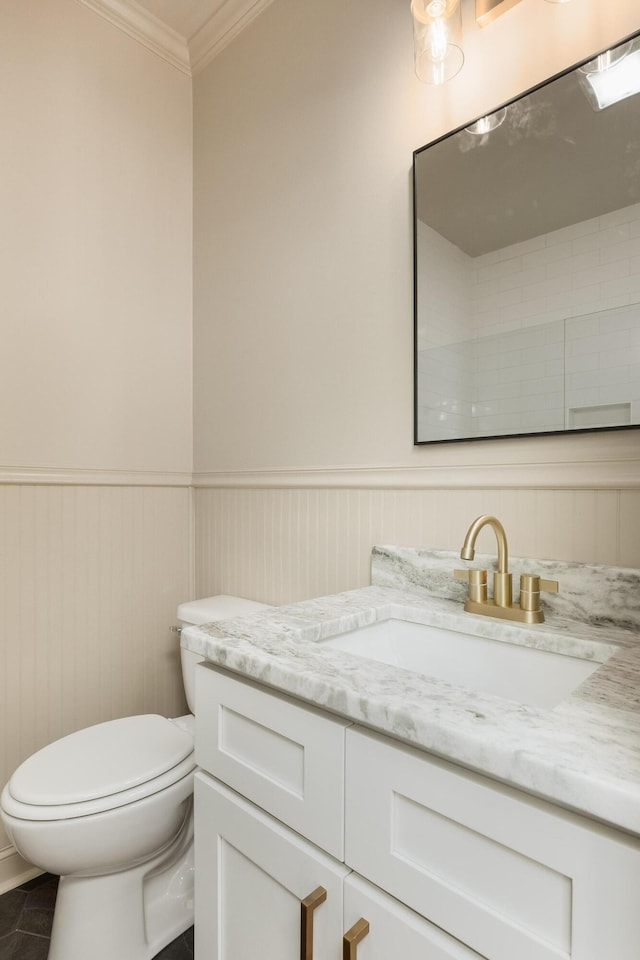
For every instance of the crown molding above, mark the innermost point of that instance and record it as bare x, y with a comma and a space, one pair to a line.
138, 23
225, 24
187, 56
586, 474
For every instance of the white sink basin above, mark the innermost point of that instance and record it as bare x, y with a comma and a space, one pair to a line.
536, 677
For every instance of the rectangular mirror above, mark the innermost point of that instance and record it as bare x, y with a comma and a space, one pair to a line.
527, 262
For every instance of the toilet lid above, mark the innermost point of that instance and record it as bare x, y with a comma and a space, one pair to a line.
101, 761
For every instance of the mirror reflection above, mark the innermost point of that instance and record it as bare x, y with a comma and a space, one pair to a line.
527, 262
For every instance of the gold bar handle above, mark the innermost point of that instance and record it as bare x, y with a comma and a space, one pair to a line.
549, 586
307, 906
477, 580
353, 937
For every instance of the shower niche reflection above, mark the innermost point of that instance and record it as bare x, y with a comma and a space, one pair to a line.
527, 269
573, 374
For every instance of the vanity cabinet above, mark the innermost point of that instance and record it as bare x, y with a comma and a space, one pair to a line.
509, 875
254, 876
264, 893
394, 930
286, 758
444, 864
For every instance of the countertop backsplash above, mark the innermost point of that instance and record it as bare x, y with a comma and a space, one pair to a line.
589, 594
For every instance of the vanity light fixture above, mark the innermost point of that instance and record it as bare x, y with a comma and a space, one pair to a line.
488, 10
610, 77
437, 36
486, 124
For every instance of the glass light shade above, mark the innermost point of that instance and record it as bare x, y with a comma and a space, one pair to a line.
612, 76
437, 38
488, 123
606, 60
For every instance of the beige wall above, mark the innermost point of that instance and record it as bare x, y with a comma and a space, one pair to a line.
95, 235
304, 131
95, 377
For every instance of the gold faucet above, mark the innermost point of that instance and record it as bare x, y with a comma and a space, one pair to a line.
502, 606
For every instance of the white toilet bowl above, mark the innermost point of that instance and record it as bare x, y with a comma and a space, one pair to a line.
109, 809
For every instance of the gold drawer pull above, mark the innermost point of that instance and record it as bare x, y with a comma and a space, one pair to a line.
307, 906
353, 937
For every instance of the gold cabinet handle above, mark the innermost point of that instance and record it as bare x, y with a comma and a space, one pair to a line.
353, 937
307, 906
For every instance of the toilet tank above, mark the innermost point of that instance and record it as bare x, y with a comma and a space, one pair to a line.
208, 610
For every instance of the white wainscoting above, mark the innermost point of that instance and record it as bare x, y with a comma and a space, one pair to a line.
90, 577
91, 574
283, 545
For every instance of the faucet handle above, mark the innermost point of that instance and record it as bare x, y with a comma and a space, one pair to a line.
472, 575
477, 580
549, 586
530, 587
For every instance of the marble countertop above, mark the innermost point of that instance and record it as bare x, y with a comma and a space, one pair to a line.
583, 754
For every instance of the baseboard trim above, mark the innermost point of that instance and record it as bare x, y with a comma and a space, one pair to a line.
14, 870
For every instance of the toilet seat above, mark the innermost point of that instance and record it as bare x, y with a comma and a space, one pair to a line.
100, 768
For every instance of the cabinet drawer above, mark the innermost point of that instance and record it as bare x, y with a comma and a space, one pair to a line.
285, 757
506, 874
394, 930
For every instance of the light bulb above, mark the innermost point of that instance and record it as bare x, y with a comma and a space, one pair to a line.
438, 35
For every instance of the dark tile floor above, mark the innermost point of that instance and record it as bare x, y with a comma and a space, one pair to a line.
26, 915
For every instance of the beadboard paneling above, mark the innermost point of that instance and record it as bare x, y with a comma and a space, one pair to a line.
90, 578
283, 545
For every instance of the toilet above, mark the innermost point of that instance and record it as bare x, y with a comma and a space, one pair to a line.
109, 809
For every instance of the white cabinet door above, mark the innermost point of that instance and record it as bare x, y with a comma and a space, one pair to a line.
253, 876
511, 876
394, 930
285, 757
